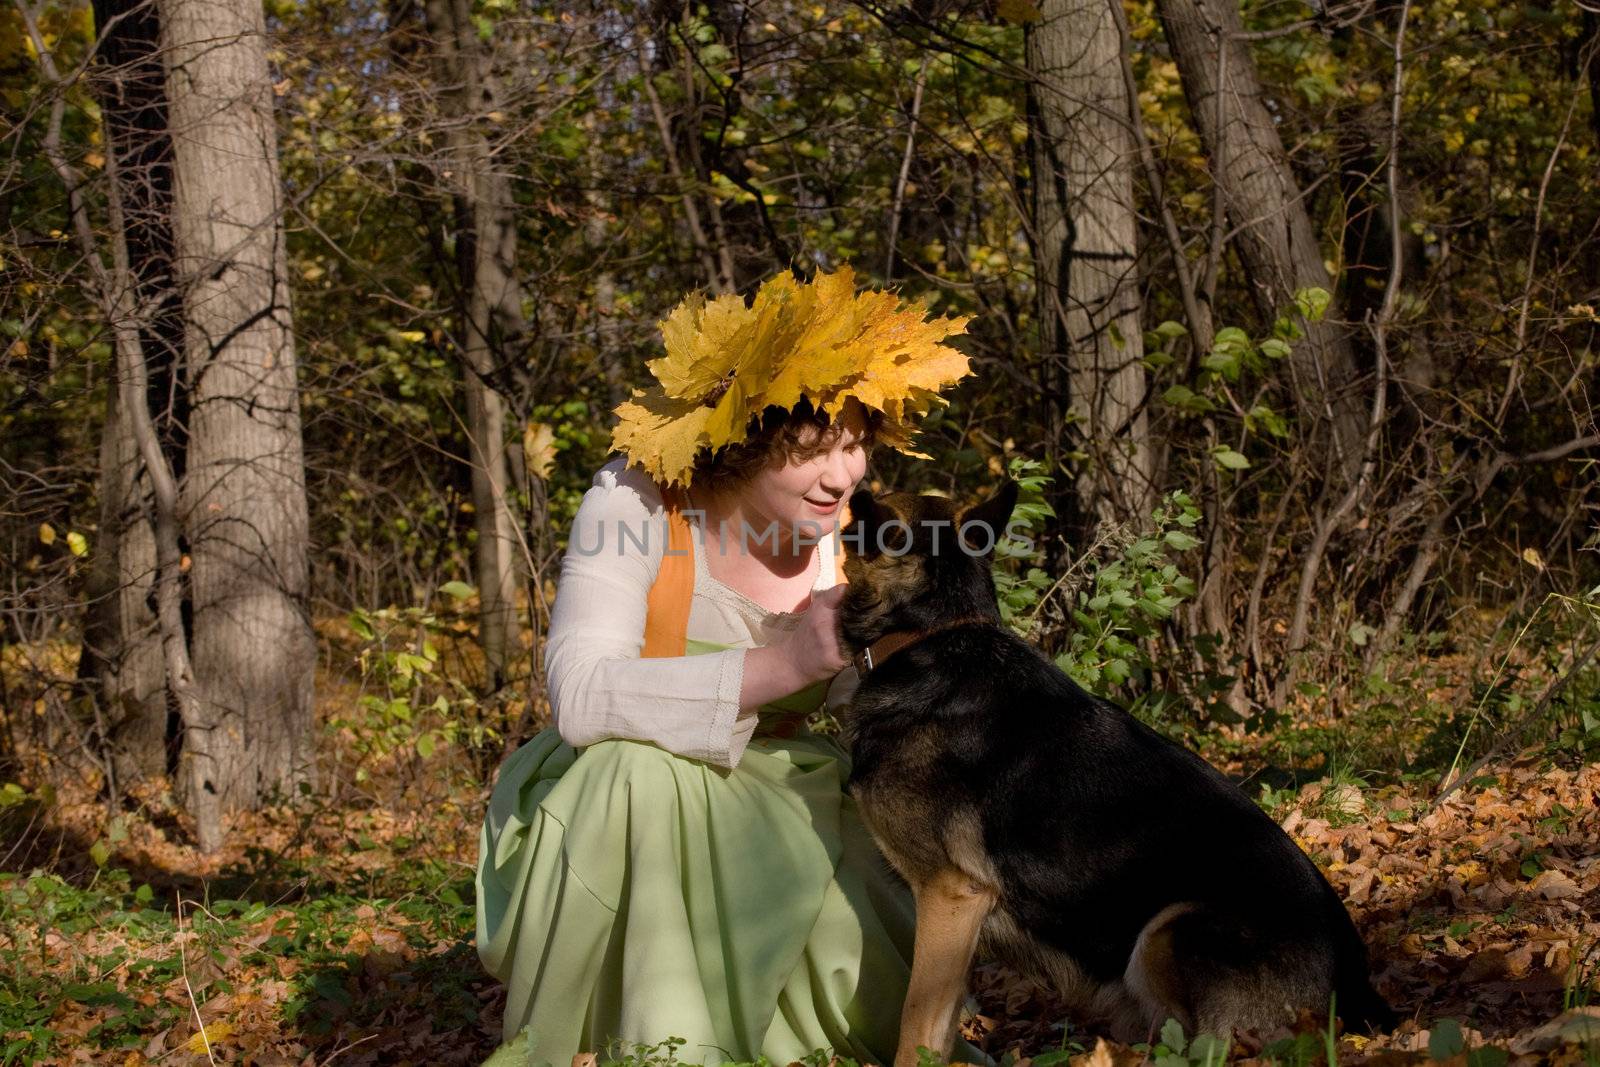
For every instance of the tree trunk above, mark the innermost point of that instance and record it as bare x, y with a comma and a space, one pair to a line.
1086, 250
497, 535
244, 500
122, 645
121, 641
1276, 241
492, 320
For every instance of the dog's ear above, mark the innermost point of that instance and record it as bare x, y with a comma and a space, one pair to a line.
861, 532
983, 524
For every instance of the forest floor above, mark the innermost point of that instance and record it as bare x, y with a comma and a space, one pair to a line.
342, 932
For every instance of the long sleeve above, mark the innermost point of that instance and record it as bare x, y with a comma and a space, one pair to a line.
599, 686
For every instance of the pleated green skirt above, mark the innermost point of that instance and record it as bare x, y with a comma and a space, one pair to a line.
627, 895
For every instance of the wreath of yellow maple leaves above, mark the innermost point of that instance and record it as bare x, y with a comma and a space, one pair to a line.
727, 362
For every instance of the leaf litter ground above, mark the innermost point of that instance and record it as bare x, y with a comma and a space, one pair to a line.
342, 933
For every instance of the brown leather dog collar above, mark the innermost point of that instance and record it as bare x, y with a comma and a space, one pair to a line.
880, 650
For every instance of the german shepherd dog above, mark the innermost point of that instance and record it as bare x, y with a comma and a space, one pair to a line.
1050, 827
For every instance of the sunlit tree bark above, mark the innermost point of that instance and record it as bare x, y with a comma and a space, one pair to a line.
1086, 250
1275, 239
491, 314
244, 502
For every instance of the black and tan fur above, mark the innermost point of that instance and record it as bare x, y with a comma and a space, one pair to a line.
1044, 826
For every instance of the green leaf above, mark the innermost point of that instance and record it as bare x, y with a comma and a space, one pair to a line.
458, 589
1313, 303
1209, 1049
1227, 457
407, 662
1265, 416
1288, 328
362, 628
1224, 363
1181, 541
425, 744
1274, 348
1445, 1040
1172, 1035
77, 543
1155, 609
100, 853
1231, 339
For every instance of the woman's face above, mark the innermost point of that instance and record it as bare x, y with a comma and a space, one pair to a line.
807, 495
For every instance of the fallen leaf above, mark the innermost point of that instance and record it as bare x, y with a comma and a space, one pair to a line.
1578, 1026
1490, 963
1553, 885
212, 1033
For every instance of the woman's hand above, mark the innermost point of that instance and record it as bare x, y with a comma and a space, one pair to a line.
808, 653
814, 644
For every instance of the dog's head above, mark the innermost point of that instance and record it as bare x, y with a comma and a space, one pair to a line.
914, 562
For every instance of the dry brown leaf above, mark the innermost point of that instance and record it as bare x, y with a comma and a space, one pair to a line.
1490, 963
1554, 885
1578, 1026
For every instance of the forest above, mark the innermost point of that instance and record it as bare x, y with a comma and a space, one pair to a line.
314, 314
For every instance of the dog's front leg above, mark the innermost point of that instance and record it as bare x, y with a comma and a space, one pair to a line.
951, 908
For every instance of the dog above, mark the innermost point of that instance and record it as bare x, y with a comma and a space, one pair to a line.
1047, 827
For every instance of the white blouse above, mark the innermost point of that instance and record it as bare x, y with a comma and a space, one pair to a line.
599, 686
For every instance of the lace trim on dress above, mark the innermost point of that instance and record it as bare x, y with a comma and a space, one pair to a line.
718, 590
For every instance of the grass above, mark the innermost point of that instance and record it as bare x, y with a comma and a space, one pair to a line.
318, 949
114, 964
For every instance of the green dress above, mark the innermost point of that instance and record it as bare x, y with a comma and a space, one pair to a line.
626, 895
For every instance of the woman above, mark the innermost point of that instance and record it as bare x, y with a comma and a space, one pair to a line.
677, 856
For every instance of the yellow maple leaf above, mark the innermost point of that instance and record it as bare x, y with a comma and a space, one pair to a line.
704, 344
661, 434
821, 341
727, 362
210, 1034
539, 449
719, 359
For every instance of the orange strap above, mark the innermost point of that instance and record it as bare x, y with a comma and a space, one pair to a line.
666, 621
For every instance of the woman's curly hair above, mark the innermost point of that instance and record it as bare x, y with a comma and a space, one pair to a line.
777, 436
